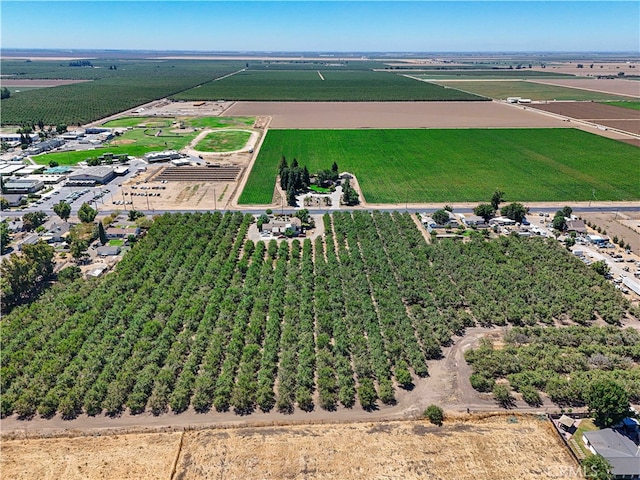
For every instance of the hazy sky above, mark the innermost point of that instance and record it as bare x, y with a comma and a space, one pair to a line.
323, 26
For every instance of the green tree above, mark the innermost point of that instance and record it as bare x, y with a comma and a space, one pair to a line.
53, 164
4, 204
61, 128
484, 210
63, 210
496, 199
334, 168
32, 220
567, 211
367, 394
600, 267
69, 274
4, 93
86, 214
349, 194
596, 467
291, 197
502, 395
79, 250
608, 402
441, 217
134, 215
102, 235
559, 223
514, 211
434, 414
5, 238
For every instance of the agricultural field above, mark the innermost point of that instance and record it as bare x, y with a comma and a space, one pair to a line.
462, 447
632, 105
196, 316
535, 91
502, 74
322, 85
561, 362
422, 166
223, 141
130, 84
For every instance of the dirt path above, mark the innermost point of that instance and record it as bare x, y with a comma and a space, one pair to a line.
321, 77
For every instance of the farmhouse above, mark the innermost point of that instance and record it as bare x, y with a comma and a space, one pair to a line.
620, 451
23, 186
92, 175
121, 232
474, 221
576, 226
281, 226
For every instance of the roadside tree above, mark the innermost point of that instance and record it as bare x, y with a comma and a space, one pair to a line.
86, 214
63, 210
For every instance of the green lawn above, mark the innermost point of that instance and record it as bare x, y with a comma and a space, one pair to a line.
534, 91
396, 166
223, 141
586, 425
307, 85
220, 122
116, 243
634, 105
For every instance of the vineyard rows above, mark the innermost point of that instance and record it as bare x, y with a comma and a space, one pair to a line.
197, 316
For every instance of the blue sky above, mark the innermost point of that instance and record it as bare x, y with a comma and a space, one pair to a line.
364, 26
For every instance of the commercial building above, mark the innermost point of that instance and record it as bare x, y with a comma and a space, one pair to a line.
165, 156
23, 186
92, 175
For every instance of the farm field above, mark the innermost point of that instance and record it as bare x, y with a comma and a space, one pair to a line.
526, 448
527, 89
618, 86
625, 119
196, 317
130, 84
322, 85
473, 74
461, 165
632, 105
396, 115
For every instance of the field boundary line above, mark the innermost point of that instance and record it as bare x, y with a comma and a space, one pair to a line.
585, 89
175, 460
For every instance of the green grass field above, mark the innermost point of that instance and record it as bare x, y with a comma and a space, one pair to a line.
534, 91
305, 85
223, 141
634, 105
398, 166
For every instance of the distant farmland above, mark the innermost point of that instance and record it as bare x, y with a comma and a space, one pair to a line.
398, 166
322, 85
534, 91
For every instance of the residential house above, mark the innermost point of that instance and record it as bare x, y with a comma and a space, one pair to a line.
281, 226
619, 450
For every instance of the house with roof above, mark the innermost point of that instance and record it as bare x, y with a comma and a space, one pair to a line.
275, 227
58, 232
577, 226
108, 251
622, 453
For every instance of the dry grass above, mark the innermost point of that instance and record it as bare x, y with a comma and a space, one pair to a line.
487, 446
134, 456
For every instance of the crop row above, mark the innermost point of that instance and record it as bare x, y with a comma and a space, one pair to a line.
195, 316
108, 92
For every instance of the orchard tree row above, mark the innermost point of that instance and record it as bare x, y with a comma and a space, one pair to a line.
565, 363
196, 316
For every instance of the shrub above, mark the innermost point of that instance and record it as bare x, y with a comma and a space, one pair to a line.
434, 414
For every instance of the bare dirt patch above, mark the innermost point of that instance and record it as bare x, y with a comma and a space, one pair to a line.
619, 118
139, 456
622, 225
393, 115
